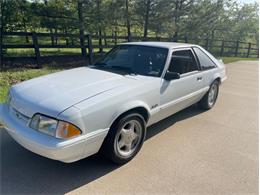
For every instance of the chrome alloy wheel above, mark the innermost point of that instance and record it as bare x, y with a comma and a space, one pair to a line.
128, 138
213, 92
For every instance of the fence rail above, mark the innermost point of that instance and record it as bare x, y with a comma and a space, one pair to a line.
89, 43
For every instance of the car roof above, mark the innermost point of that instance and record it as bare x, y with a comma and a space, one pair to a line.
169, 45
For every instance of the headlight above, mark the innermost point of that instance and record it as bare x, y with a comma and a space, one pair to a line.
53, 127
44, 124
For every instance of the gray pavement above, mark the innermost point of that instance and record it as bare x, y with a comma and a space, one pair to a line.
191, 152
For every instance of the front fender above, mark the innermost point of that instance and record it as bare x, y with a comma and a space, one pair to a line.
129, 106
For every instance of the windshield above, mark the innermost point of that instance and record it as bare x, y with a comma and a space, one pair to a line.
135, 59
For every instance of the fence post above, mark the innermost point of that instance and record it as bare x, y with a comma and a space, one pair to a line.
105, 39
211, 44
36, 49
67, 40
175, 38
222, 48
115, 38
90, 49
82, 45
207, 44
248, 51
52, 39
186, 39
100, 44
129, 38
237, 46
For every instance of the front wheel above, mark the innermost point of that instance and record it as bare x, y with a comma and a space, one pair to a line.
125, 138
210, 98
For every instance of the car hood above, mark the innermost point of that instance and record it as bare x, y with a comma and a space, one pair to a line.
56, 92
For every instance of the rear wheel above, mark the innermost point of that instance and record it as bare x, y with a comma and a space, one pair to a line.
125, 138
210, 98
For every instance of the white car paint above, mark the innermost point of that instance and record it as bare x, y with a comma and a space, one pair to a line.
93, 99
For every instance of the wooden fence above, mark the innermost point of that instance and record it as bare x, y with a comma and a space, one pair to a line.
90, 43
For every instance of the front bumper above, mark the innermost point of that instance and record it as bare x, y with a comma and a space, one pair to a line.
63, 150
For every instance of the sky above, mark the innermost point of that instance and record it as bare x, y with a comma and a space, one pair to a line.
247, 1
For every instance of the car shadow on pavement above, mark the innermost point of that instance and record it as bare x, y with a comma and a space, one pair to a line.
23, 172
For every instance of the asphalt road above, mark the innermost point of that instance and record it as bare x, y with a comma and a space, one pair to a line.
192, 152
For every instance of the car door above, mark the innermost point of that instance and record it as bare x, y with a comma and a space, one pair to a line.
178, 94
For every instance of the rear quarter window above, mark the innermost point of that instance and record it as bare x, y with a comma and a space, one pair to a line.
205, 62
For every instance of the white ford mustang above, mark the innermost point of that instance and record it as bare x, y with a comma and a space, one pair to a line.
106, 107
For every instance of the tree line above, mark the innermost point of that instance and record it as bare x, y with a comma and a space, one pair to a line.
224, 19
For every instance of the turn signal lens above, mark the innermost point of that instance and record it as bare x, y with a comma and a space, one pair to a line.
66, 130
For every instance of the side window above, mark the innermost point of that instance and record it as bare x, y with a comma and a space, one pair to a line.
205, 62
183, 62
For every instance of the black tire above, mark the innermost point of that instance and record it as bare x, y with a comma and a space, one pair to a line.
109, 148
205, 103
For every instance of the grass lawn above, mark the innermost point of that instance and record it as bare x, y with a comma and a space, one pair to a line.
11, 77
22, 52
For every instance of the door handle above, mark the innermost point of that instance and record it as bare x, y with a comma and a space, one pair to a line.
199, 78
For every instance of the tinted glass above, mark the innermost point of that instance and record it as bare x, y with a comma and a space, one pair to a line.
143, 60
205, 62
183, 62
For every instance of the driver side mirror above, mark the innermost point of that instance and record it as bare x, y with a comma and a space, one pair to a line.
171, 76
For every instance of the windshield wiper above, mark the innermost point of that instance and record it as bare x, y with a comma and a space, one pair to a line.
100, 64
